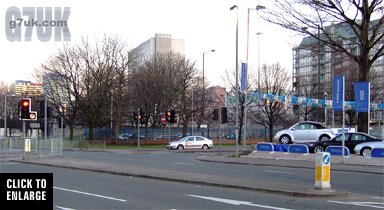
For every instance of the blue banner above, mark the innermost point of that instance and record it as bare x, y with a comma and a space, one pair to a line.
243, 76
338, 93
362, 96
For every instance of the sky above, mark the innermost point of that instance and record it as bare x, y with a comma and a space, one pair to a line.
203, 24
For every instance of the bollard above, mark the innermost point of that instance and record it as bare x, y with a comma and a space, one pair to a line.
323, 170
27, 145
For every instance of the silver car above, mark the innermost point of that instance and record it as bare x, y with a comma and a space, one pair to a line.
191, 142
365, 149
304, 132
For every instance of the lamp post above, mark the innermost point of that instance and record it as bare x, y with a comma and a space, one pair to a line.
258, 7
236, 79
5, 115
325, 109
203, 110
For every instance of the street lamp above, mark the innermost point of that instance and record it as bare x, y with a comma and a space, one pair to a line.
5, 115
204, 82
236, 79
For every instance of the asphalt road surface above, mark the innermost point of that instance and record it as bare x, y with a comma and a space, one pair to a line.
77, 189
355, 182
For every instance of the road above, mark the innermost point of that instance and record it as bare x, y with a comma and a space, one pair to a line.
355, 182
78, 189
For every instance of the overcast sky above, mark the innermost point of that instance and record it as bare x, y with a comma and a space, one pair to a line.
203, 24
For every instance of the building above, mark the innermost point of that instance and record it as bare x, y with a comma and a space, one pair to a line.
315, 65
27, 88
160, 44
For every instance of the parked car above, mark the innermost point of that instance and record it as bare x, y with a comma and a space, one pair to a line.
365, 149
302, 132
351, 140
126, 136
191, 142
230, 136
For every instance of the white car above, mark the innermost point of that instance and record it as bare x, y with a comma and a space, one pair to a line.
365, 149
304, 132
191, 142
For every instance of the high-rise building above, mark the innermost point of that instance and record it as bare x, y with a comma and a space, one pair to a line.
160, 44
315, 65
27, 88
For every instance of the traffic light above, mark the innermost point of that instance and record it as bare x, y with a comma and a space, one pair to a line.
25, 112
142, 117
173, 116
168, 116
134, 117
224, 115
215, 114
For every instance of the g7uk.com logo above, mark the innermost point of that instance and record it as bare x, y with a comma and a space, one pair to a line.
48, 22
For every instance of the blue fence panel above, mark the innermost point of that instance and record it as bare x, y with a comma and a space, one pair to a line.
298, 148
264, 147
377, 152
280, 147
337, 150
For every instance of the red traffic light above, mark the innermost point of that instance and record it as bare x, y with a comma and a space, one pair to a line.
25, 103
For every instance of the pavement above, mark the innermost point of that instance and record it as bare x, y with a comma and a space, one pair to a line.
353, 163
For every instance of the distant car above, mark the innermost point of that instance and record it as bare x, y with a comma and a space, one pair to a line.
303, 132
180, 135
126, 136
351, 140
191, 142
230, 136
365, 149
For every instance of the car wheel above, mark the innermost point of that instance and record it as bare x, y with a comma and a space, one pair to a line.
318, 149
205, 146
366, 152
180, 147
285, 139
324, 138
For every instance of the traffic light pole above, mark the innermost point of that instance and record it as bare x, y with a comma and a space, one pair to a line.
220, 132
23, 139
138, 129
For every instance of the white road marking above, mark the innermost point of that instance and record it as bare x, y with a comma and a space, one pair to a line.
91, 194
8, 163
236, 202
63, 208
180, 163
367, 204
279, 172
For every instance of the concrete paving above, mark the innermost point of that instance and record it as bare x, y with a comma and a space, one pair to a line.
360, 164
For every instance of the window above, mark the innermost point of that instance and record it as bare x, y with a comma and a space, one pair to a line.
358, 137
198, 138
340, 137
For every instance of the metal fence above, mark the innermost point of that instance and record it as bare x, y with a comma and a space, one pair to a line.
16, 147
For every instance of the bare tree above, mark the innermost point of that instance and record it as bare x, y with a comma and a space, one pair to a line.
163, 82
243, 101
274, 80
307, 89
78, 78
362, 19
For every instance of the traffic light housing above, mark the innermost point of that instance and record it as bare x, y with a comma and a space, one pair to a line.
142, 117
215, 114
224, 118
168, 116
173, 116
134, 117
25, 112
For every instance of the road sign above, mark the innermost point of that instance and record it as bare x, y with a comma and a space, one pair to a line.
323, 170
163, 119
34, 125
